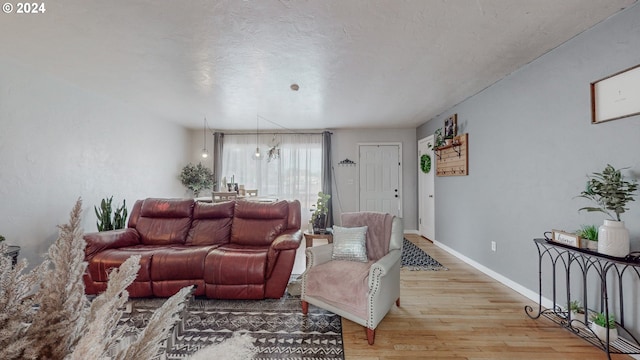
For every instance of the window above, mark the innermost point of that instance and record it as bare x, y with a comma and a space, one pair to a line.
296, 175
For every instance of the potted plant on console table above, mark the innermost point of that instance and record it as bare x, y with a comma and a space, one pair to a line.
611, 192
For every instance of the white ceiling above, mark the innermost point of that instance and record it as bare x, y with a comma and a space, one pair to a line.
359, 63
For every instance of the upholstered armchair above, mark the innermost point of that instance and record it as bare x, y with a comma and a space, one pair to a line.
359, 283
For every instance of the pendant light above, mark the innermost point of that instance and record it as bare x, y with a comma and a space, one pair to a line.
257, 154
205, 153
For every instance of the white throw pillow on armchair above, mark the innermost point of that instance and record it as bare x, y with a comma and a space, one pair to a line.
350, 243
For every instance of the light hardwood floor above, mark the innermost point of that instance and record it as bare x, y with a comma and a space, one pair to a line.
462, 314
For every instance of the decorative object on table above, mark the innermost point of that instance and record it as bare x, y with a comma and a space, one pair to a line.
2, 238
425, 163
611, 193
616, 96
566, 238
320, 210
65, 324
450, 128
600, 324
588, 237
108, 222
196, 178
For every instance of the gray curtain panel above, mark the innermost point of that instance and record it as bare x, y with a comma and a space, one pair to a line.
326, 173
218, 139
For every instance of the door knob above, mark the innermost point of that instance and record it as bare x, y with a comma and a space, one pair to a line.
430, 196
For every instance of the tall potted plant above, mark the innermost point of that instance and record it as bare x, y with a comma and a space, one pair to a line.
611, 193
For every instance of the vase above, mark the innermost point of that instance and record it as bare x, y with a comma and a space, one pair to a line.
601, 332
613, 238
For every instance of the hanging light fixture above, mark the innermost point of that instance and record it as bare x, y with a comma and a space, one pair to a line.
205, 153
257, 154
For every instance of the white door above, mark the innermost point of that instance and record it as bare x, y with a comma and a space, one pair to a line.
426, 201
380, 169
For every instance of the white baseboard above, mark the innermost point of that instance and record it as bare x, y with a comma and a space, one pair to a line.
531, 295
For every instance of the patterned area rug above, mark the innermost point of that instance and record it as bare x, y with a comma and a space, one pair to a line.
278, 327
414, 258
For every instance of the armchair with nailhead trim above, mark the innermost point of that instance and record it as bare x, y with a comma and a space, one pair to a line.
362, 291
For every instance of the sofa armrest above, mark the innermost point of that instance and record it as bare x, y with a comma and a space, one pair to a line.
318, 255
287, 241
385, 264
100, 241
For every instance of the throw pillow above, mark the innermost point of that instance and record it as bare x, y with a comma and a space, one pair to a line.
350, 243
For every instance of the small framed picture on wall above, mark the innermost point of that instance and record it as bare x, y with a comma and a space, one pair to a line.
451, 126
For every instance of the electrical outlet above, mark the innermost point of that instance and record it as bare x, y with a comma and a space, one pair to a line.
493, 246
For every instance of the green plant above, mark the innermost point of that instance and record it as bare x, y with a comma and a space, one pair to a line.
610, 191
2, 238
589, 232
105, 221
196, 178
575, 306
600, 319
438, 139
321, 207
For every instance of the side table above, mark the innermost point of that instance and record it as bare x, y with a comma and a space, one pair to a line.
13, 251
309, 237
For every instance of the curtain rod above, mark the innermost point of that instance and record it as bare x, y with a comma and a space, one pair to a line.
273, 133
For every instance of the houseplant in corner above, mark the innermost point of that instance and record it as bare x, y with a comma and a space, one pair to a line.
599, 325
611, 192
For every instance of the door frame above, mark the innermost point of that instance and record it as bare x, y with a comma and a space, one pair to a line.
400, 169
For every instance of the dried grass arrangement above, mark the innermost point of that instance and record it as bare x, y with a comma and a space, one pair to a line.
45, 314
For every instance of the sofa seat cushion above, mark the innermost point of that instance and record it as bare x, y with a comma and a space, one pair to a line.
341, 283
236, 264
102, 263
179, 262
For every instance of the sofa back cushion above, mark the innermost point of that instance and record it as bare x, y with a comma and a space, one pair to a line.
258, 224
164, 221
211, 223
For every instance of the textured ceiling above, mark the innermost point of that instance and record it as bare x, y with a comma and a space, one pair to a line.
358, 63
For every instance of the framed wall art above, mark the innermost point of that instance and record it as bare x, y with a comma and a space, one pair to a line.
451, 126
617, 96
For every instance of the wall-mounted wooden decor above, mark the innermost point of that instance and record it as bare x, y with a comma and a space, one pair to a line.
453, 159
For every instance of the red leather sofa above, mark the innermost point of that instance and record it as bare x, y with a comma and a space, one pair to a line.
230, 250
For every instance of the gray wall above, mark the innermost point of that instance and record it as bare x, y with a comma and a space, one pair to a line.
59, 142
531, 145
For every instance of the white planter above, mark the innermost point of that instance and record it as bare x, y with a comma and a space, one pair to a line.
601, 333
613, 238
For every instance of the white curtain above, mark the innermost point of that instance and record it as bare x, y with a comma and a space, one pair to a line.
296, 174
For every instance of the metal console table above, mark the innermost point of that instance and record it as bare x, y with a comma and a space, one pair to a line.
562, 258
